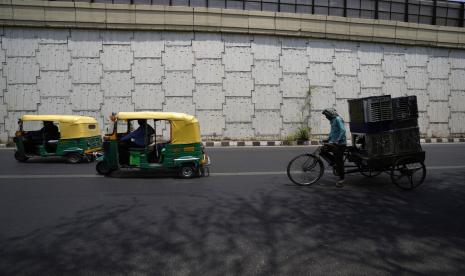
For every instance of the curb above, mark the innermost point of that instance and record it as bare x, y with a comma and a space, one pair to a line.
293, 143
315, 142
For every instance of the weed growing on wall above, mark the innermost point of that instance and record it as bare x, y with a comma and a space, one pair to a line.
303, 132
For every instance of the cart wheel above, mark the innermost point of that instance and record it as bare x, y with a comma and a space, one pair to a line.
20, 157
305, 169
186, 171
102, 168
73, 158
408, 174
368, 172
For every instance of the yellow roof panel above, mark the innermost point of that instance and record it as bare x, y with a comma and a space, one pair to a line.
61, 118
172, 116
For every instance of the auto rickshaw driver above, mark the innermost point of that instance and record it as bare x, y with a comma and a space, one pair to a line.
135, 139
47, 135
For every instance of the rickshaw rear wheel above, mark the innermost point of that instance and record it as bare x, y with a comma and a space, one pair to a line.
20, 157
408, 174
102, 168
186, 171
73, 158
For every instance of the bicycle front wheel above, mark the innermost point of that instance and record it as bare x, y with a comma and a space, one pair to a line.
305, 169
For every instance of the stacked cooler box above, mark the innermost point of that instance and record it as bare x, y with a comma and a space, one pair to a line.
383, 125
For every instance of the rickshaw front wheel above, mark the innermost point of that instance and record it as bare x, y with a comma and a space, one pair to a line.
186, 171
20, 157
102, 168
73, 158
305, 169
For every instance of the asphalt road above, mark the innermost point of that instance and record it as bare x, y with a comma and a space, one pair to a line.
245, 219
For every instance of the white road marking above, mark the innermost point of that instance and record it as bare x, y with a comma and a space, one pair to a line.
246, 173
19, 176
43, 176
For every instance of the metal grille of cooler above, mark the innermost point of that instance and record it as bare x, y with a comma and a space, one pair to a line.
407, 140
381, 143
379, 109
356, 113
405, 108
393, 142
370, 110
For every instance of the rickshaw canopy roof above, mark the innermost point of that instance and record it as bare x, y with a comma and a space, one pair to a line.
171, 116
70, 119
184, 128
71, 126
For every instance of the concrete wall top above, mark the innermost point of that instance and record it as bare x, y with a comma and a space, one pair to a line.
151, 17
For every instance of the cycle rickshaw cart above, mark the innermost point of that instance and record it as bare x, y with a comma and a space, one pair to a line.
407, 170
385, 137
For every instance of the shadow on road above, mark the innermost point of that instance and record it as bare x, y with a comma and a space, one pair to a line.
365, 230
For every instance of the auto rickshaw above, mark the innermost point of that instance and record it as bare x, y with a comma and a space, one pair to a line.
76, 138
182, 152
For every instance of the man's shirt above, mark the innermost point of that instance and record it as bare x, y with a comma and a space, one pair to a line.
138, 135
337, 134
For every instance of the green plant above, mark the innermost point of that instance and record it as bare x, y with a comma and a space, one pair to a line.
307, 105
289, 138
302, 133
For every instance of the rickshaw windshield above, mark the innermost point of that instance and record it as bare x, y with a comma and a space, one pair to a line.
122, 127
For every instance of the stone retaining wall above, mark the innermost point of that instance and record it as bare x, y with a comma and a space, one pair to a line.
239, 86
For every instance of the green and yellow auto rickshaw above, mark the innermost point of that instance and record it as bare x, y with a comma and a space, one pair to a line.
168, 141
76, 138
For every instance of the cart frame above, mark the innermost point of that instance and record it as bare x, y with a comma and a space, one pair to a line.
407, 170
